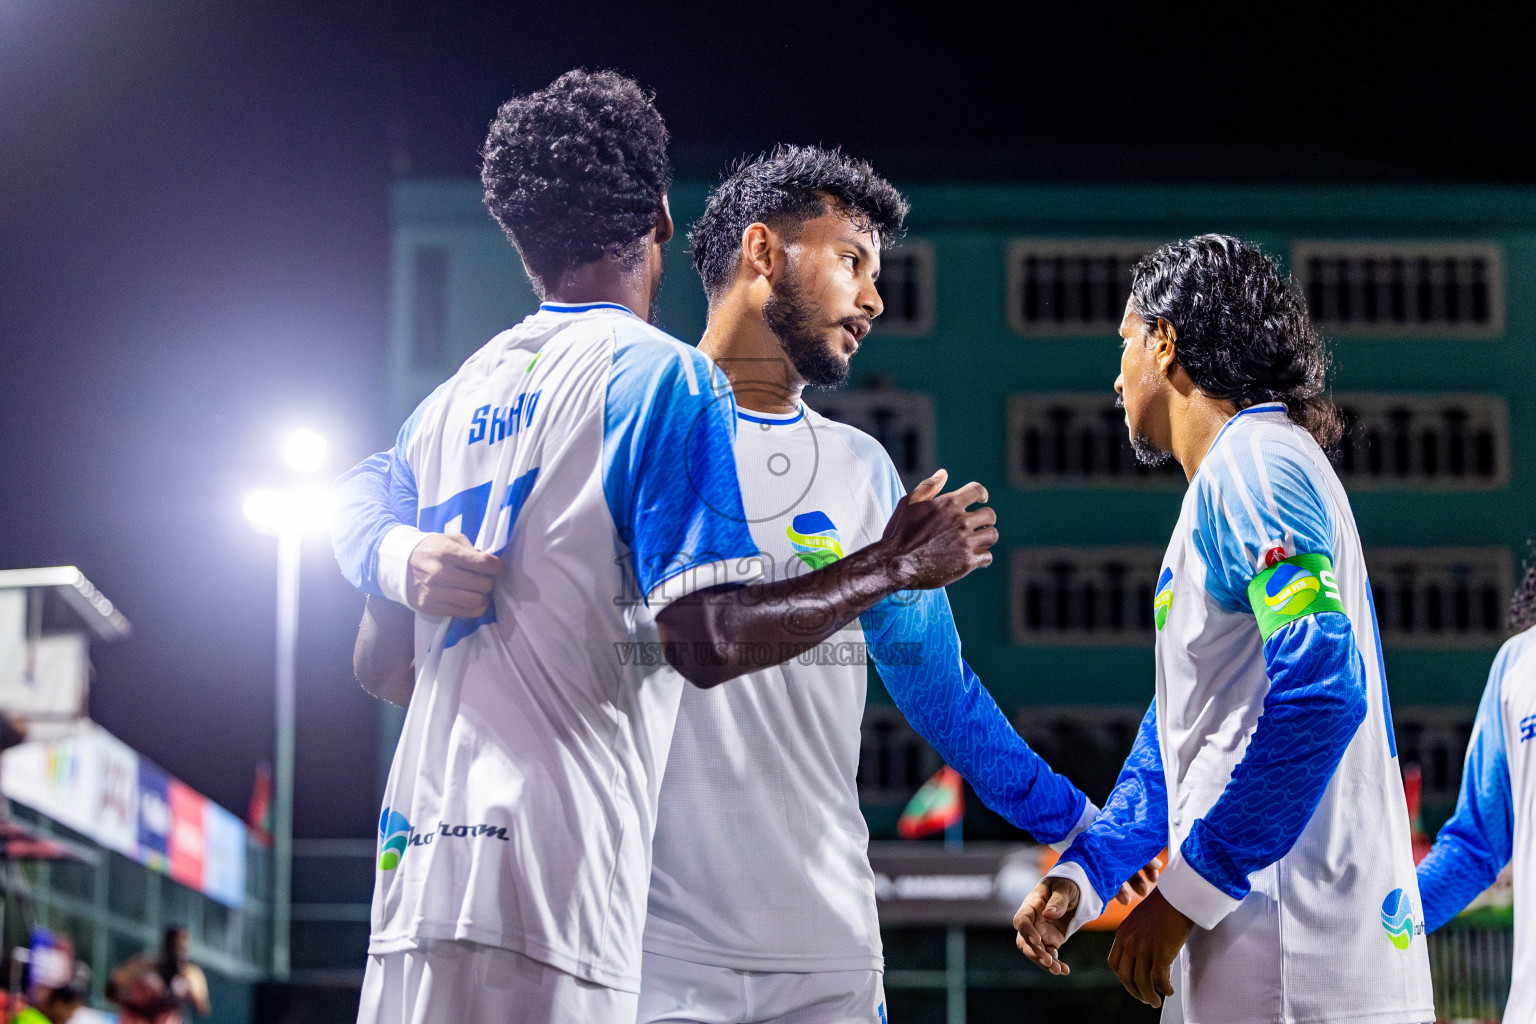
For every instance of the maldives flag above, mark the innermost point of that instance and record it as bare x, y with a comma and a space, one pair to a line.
939, 804
258, 814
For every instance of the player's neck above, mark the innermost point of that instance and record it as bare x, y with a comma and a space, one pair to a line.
1195, 421
738, 339
604, 280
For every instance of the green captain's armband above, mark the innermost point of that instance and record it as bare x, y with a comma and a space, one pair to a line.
1299, 585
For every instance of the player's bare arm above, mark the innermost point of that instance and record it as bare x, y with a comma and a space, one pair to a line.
384, 650
931, 540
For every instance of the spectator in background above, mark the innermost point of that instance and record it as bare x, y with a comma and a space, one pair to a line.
57, 1005
157, 989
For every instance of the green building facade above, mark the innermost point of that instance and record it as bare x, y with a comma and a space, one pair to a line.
996, 360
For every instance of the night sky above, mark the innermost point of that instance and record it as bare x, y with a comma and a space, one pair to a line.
194, 245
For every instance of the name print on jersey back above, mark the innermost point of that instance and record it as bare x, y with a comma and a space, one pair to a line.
491, 423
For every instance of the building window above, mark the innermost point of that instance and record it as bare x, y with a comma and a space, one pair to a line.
1076, 439
1425, 289
1423, 442
1065, 286
906, 286
1083, 596
429, 296
1442, 597
1426, 597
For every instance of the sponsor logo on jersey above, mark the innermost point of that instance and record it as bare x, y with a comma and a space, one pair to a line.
1291, 589
1274, 556
1397, 918
815, 539
395, 834
1164, 598
1528, 728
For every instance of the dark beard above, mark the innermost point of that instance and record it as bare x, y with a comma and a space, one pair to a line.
1147, 453
802, 333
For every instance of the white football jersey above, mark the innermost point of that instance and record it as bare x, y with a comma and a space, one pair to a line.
761, 852
1495, 819
1333, 929
593, 452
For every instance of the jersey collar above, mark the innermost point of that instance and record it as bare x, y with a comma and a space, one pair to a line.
772, 419
583, 307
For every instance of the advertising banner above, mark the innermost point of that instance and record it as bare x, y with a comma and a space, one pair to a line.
116, 805
95, 784
187, 834
154, 816
224, 855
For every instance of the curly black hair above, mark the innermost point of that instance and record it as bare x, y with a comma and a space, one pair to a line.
1522, 607
577, 170
1243, 331
784, 189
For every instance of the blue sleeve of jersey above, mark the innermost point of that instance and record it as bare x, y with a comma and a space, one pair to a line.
914, 645
1133, 825
372, 498
1478, 841
1256, 493
1316, 701
669, 461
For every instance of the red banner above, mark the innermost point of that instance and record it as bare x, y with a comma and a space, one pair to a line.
187, 846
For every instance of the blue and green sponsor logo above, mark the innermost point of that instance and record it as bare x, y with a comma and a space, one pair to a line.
1291, 589
815, 539
1397, 918
394, 835
1163, 600
1300, 585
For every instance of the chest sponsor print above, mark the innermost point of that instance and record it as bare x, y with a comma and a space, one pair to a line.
1162, 602
815, 539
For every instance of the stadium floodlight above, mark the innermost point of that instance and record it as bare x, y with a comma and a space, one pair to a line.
288, 515
304, 451
300, 511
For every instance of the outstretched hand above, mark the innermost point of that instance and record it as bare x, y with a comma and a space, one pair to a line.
935, 539
1043, 920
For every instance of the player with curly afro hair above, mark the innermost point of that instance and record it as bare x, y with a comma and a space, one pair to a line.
578, 172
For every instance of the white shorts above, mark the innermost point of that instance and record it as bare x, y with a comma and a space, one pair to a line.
676, 991
468, 983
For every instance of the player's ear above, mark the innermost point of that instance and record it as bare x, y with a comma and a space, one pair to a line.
1164, 345
760, 250
665, 229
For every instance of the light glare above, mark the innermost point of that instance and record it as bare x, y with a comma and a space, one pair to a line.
304, 451
306, 510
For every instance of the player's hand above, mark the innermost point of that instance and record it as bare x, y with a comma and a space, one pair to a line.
1141, 883
447, 575
1042, 922
1145, 945
934, 539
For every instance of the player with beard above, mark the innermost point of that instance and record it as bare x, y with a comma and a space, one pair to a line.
592, 454
1267, 762
762, 902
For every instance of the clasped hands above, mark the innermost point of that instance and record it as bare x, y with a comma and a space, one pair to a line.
1145, 943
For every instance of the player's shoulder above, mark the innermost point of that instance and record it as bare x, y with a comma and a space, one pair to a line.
641, 345
1262, 460
862, 449
1515, 665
